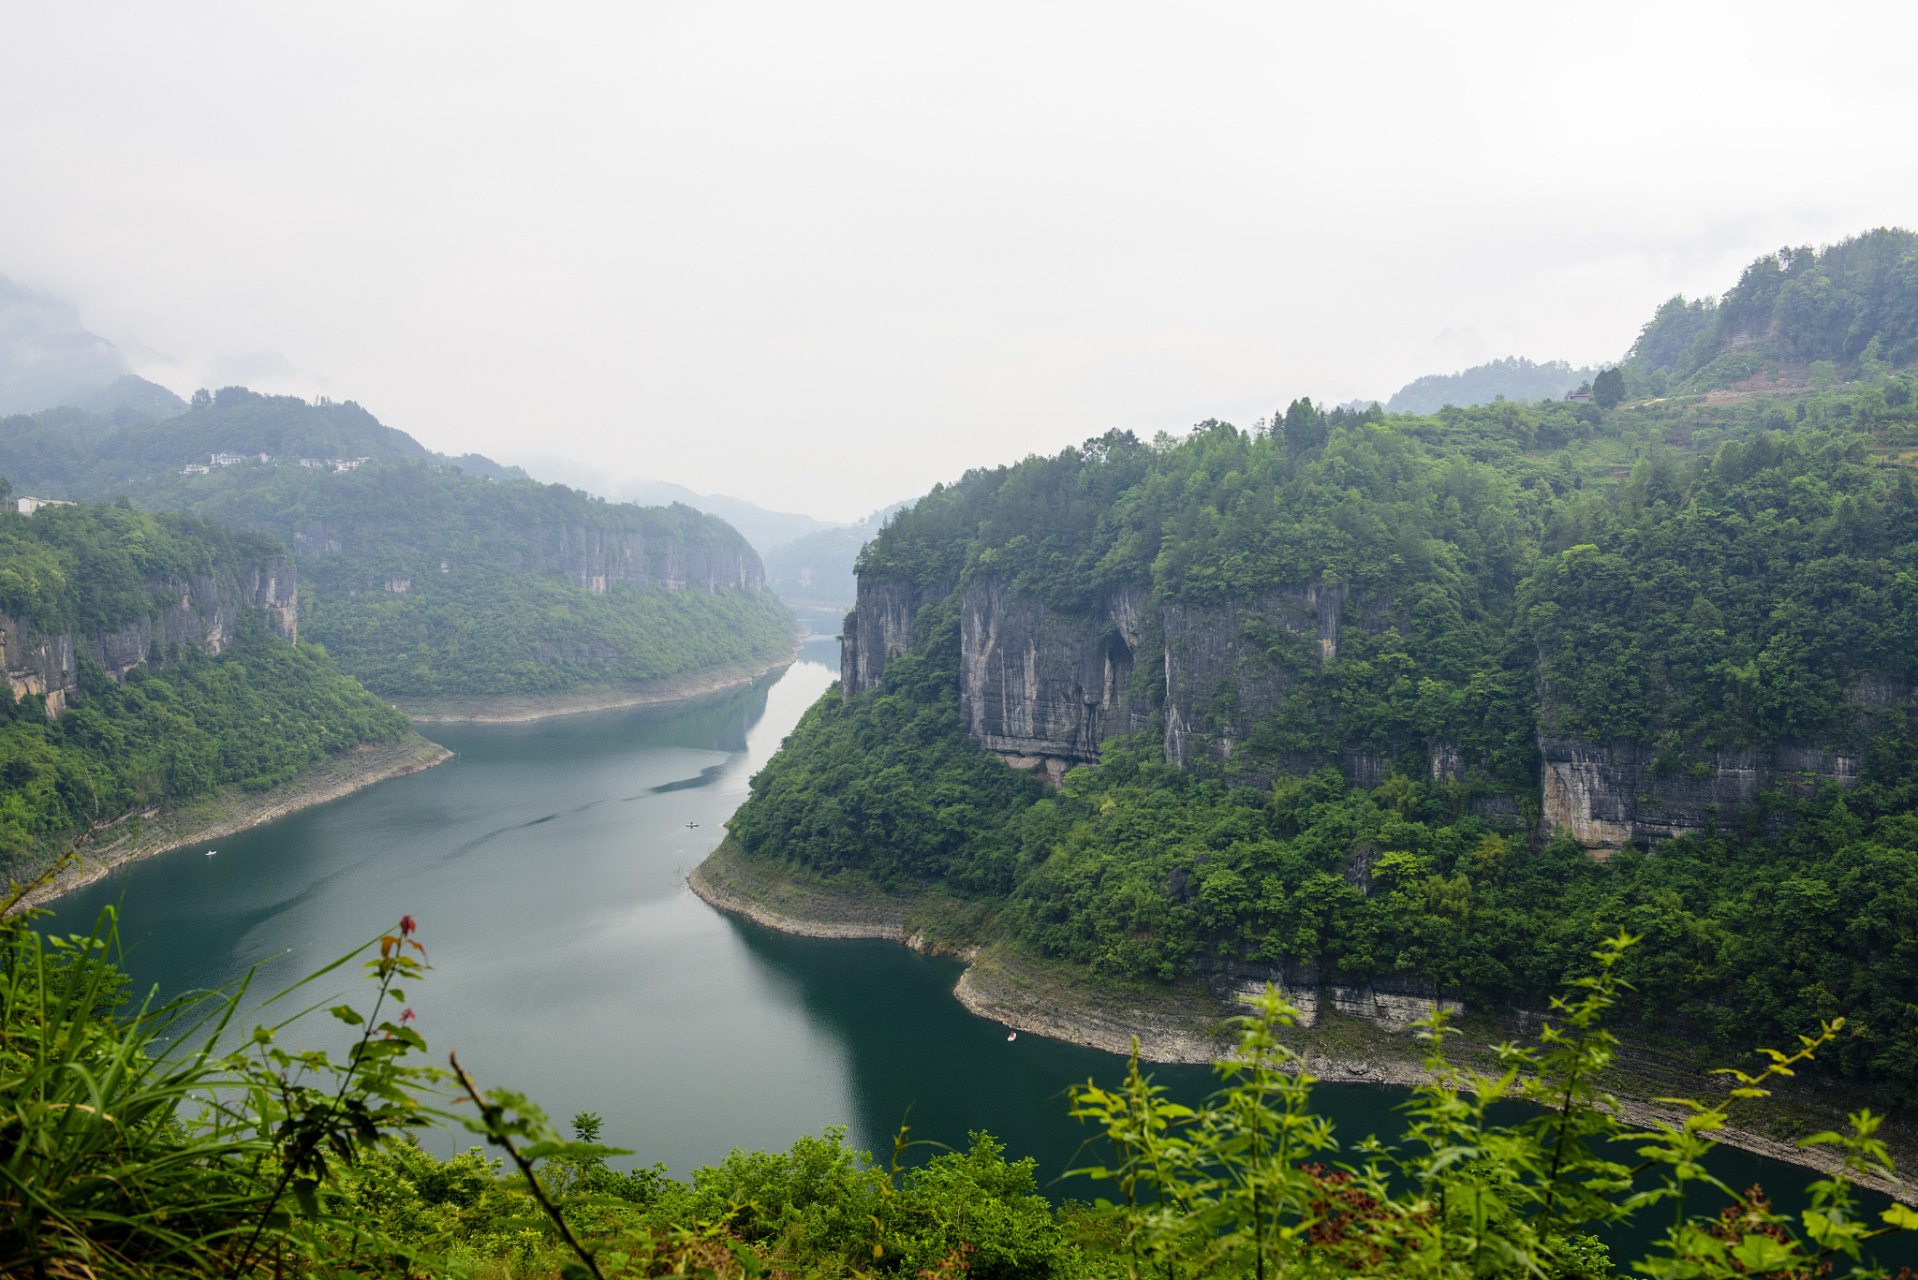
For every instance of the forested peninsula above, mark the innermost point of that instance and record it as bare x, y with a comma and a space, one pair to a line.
156, 685
452, 587
1388, 708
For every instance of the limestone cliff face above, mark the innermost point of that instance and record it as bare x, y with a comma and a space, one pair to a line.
1042, 686
1035, 683
878, 629
1219, 677
1045, 688
594, 559
1609, 796
202, 611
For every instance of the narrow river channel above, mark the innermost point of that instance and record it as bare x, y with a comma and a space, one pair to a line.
546, 868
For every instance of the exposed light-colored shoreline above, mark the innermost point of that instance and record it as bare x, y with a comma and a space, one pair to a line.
231, 811
1031, 996
519, 710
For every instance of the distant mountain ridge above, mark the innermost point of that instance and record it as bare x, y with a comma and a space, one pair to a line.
430, 578
1513, 378
46, 355
815, 573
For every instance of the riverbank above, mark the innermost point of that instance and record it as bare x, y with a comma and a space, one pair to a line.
231, 810
1188, 1024
598, 697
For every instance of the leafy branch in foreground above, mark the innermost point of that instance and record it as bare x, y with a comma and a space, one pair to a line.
1239, 1186
117, 1160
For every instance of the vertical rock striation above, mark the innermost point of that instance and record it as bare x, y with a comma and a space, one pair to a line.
1037, 684
1046, 687
202, 612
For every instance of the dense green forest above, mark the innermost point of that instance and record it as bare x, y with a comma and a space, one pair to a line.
427, 577
1687, 576
1849, 309
184, 723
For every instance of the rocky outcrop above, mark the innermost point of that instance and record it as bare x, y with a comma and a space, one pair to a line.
877, 630
1609, 796
1221, 677
1391, 1001
1044, 687
202, 612
594, 559
1037, 685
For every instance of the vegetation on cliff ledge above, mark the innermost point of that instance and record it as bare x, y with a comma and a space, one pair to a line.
184, 723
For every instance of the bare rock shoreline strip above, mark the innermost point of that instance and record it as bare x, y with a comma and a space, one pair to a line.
997, 986
510, 710
231, 811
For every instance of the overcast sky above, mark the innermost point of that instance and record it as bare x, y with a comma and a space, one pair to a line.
823, 255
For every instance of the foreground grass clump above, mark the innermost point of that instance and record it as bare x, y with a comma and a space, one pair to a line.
136, 1142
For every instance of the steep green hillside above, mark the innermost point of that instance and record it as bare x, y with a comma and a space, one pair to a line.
232, 704
1685, 591
428, 577
69, 452
1849, 310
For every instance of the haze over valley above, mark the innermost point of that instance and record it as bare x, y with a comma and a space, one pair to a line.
1044, 643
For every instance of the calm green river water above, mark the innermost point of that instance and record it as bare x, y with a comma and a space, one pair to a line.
546, 868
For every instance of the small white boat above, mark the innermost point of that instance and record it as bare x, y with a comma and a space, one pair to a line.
1011, 1036
211, 852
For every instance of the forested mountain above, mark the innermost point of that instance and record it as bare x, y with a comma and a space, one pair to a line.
816, 571
149, 659
1428, 701
429, 577
126, 397
1513, 378
1799, 317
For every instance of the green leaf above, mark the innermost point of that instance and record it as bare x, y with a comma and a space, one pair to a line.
1762, 1253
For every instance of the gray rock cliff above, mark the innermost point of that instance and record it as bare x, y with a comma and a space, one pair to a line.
1045, 688
202, 612
592, 558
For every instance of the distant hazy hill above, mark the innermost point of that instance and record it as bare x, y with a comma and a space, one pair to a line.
69, 452
127, 395
45, 354
427, 577
1514, 378
815, 573
763, 528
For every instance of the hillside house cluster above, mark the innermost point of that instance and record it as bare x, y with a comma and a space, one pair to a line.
27, 506
333, 464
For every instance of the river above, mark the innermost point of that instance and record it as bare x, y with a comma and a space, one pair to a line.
546, 869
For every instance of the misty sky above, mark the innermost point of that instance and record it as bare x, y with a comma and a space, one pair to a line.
821, 256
